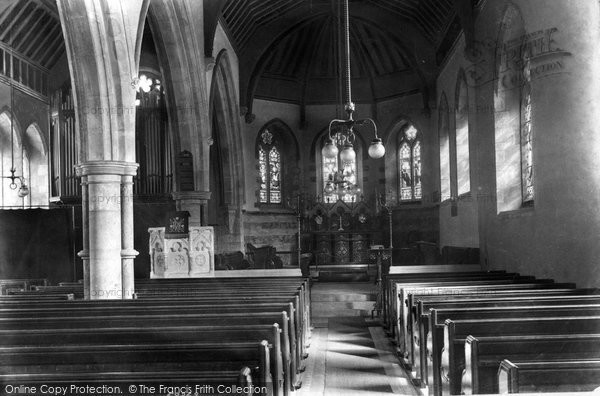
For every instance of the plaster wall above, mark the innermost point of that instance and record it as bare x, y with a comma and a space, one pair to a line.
558, 237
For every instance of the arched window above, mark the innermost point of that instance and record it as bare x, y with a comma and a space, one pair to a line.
513, 117
269, 169
12, 156
278, 169
409, 162
444, 140
526, 140
463, 176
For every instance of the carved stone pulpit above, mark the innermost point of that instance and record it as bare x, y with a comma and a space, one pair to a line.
188, 256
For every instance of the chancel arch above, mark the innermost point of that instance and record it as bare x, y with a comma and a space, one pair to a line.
226, 158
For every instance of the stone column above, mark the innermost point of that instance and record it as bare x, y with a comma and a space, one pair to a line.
128, 253
85, 253
194, 202
105, 243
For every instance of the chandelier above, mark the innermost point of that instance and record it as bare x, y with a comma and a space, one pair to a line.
344, 135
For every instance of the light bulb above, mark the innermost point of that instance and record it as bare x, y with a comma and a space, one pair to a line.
376, 149
330, 150
348, 155
23, 191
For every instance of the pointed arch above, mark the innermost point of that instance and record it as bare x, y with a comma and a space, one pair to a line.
277, 156
403, 161
37, 165
326, 168
11, 155
444, 145
224, 113
512, 116
461, 135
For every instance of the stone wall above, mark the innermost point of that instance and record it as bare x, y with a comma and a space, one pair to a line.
276, 229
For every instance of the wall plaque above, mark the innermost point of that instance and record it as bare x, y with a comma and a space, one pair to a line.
185, 171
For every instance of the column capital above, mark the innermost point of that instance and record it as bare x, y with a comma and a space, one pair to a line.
191, 195
121, 168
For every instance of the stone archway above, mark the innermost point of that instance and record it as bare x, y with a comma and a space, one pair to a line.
226, 137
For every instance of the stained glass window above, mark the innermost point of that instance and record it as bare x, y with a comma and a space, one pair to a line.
339, 180
409, 159
269, 170
274, 175
262, 170
526, 147
330, 167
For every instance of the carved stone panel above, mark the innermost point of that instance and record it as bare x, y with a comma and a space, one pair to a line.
187, 257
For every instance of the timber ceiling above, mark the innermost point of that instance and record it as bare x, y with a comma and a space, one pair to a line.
33, 28
288, 48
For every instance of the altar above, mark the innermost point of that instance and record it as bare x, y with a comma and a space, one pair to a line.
190, 255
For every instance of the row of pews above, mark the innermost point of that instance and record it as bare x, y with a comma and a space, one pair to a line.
236, 335
460, 330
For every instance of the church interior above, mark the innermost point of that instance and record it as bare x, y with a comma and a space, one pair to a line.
299, 197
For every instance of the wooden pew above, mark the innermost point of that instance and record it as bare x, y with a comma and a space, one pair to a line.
389, 290
36, 297
195, 307
211, 292
448, 340
264, 257
187, 319
421, 339
231, 261
205, 356
20, 284
573, 375
483, 355
230, 383
395, 285
456, 287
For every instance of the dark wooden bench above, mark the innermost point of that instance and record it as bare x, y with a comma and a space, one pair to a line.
484, 354
20, 284
154, 321
264, 257
167, 295
456, 287
421, 339
395, 284
573, 375
106, 310
231, 261
389, 280
36, 297
165, 383
203, 357
448, 340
